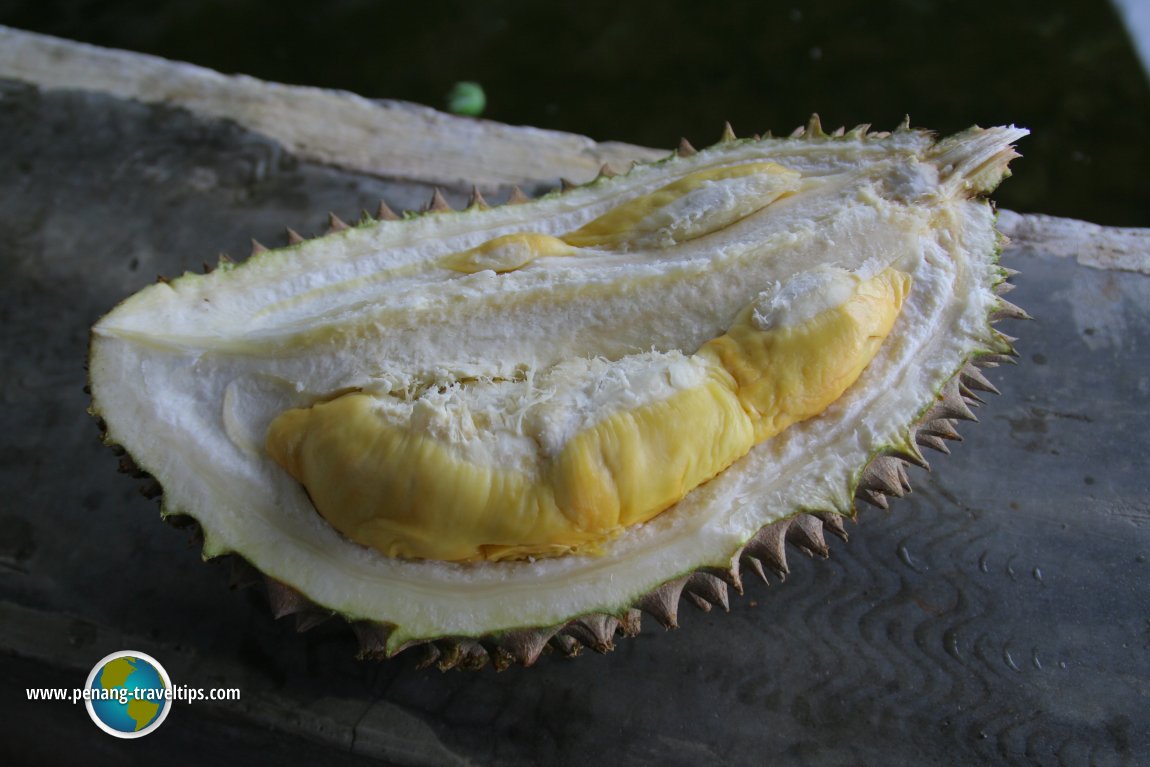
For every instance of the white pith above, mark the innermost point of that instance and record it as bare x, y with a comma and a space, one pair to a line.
188, 375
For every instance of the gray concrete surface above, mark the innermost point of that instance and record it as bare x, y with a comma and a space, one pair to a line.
997, 615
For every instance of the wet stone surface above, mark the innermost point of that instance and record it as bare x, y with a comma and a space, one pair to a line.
997, 615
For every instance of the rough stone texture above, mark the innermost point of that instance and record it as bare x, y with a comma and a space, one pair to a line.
995, 615
385, 138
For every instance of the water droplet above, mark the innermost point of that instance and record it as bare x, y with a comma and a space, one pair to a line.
1034, 659
1006, 656
982, 562
1037, 573
950, 641
904, 555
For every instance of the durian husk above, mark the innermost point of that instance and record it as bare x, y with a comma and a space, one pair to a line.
884, 476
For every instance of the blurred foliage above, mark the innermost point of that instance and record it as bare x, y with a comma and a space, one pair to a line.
650, 71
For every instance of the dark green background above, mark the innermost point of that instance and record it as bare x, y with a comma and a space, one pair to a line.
653, 70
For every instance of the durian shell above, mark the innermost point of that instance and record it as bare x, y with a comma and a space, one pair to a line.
765, 554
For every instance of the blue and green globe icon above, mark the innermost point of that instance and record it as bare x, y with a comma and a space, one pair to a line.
130, 694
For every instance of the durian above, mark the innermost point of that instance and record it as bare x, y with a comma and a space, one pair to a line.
492, 431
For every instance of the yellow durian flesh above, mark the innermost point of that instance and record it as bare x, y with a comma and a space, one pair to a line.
410, 493
190, 375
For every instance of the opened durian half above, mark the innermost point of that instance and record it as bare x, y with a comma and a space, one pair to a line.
490, 430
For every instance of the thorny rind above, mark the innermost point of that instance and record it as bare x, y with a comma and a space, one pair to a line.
764, 554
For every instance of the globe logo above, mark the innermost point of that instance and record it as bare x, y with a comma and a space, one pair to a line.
129, 694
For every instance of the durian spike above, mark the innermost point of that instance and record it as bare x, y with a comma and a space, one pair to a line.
309, 618
994, 359
522, 647
631, 622
663, 603
335, 224
974, 378
294, 237
385, 213
873, 497
859, 131
471, 655
728, 134
685, 149
257, 248
767, 547
517, 197
882, 476
372, 639
911, 454
438, 203
594, 631
606, 171
242, 574
1003, 288
566, 185
806, 532
1008, 311
943, 428
815, 127
476, 200
728, 575
903, 126
708, 588
225, 259
569, 646
284, 600
798, 132
950, 404
839, 132
933, 442
429, 654
756, 567
834, 523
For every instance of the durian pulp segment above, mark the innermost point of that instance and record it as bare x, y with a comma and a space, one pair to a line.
190, 375
421, 479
